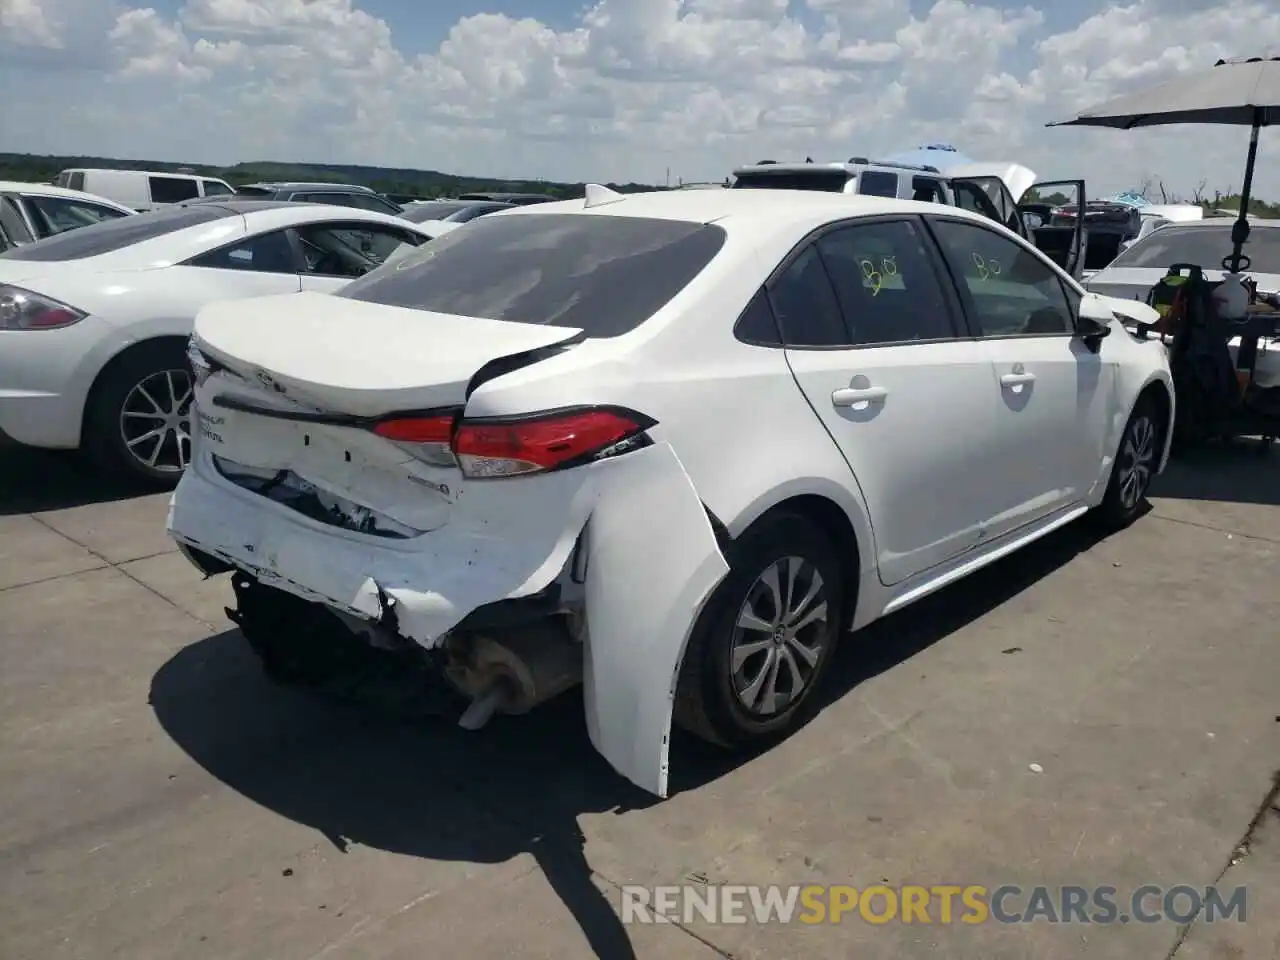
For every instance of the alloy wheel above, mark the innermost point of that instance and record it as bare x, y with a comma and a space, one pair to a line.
155, 421
1137, 459
778, 637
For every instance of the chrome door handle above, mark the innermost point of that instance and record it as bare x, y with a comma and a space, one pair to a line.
848, 396
1016, 379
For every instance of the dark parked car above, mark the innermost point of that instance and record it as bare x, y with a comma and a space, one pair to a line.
452, 211
518, 199
337, 194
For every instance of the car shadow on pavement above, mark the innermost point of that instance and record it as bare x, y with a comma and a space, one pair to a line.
1239, 472
32, 481
428, 789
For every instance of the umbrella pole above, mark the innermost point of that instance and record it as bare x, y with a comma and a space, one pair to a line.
1240, 229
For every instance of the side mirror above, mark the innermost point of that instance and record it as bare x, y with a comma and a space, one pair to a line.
1092, 331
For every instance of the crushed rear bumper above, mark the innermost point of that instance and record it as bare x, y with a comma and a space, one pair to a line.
652, 561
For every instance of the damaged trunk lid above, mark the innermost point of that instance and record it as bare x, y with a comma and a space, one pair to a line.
291, 389
360, 358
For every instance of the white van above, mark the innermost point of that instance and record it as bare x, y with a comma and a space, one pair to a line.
143, 189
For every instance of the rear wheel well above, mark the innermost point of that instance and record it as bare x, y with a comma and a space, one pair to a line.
832, 520
167, 342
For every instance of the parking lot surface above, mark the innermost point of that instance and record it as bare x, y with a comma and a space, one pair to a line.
1087, 712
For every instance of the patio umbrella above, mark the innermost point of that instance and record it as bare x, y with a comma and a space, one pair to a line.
1244, 91
940, 155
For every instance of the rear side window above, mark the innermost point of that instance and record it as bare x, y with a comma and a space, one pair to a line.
877, 183
172, 189
886, 283
829, 181
266, 253
111, 235
603, 274
806, 306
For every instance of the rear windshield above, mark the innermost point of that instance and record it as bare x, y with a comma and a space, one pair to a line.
1202, 246
603, 274
111, 235
830, 181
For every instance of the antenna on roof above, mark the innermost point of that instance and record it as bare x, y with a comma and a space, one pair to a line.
598, 195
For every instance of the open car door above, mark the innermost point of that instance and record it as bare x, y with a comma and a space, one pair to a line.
1062, 240
1010, 195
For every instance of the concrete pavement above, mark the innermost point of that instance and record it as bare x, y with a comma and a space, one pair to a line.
160, 799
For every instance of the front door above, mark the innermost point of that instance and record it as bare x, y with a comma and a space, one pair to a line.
873, 340
1053, 391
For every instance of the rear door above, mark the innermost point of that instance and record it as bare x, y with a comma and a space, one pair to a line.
873, 338
254, 266
1052, 392
336, 252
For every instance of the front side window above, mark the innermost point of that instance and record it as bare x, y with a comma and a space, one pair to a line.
1010, 290
172, 189
12, 222
886, 283
805, 304
76, 180
265, 253
216, 188
350, 250
59, 214
370, 201
605, 275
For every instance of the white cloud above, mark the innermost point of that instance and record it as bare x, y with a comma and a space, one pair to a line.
630, 89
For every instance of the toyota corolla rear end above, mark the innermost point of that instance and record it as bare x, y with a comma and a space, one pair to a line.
345, 464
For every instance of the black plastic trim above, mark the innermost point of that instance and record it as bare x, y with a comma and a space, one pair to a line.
330, 419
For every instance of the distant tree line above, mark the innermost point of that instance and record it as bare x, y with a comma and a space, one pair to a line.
427, 184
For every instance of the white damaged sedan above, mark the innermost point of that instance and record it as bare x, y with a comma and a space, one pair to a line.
671, 446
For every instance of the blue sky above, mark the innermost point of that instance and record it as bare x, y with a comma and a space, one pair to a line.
619, 89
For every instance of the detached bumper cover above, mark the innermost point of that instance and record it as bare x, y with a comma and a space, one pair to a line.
652, 561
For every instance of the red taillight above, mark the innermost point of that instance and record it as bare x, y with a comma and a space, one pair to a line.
512, 447
424, 438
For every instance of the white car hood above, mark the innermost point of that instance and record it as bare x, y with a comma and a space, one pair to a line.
1015, 176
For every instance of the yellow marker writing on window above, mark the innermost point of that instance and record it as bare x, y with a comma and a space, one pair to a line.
986, 268
872, 276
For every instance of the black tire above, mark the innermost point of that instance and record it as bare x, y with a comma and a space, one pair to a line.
708, 703
114, 396
1137, 457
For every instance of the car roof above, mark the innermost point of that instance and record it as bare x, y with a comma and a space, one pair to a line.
310, 185
49, 190
223, 223
1224, 222
750, 209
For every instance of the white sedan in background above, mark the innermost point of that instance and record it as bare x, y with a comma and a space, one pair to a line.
1203, 243
671, 445
33, 211
94, 322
